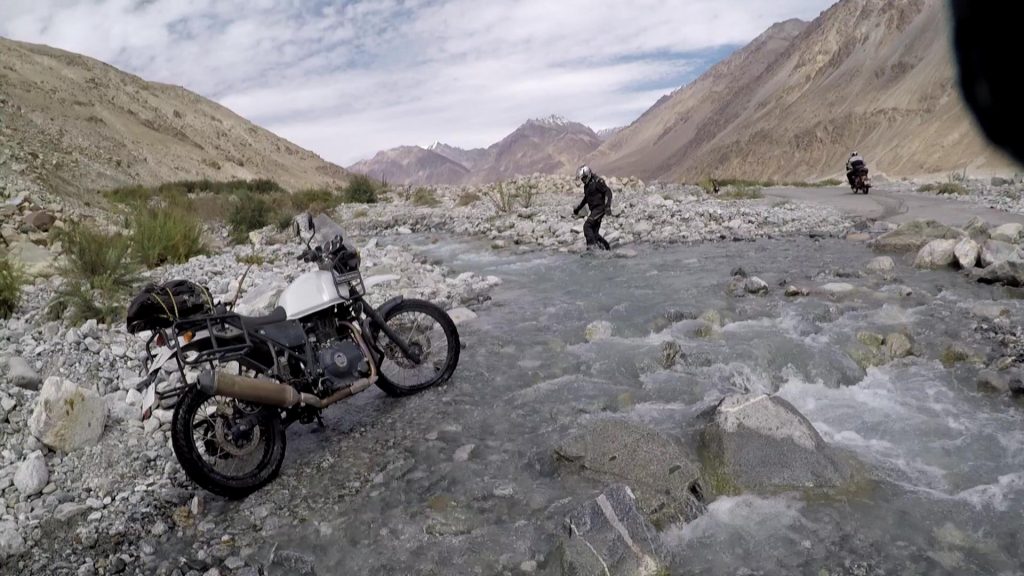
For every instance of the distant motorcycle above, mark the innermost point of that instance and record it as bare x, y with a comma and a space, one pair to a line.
861, 182
323, 343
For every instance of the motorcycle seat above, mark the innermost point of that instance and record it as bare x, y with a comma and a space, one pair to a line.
275, 316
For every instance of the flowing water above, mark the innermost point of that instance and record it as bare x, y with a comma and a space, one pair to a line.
948, 460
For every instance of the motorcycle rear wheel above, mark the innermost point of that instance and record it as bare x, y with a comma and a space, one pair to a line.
207, 443
430, 332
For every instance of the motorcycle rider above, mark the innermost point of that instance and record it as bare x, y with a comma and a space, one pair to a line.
598, 197
854, 165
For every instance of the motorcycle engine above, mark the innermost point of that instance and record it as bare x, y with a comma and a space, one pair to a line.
342, 363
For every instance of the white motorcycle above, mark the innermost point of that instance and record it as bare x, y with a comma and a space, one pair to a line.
323, 343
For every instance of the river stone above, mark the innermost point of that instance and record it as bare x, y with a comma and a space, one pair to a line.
977, 229
461, 315
793, 291
990, 310
936, 254
912, 236
11, 542
40, 220
22, 375
32, 475
67, 417
288, 563
762, 444
881, 265
994, 251
670, 352
967, 252
1009, 272
607, 535
664, 477
120, 409
756, 286
1009, 232
992, 381
837, 288
598, 330
870, 339
898, 346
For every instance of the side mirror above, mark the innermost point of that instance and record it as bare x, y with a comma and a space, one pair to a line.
310, 224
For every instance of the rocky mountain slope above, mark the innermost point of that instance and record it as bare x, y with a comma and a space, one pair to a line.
412, 165
72, 124
872, 75
551, 145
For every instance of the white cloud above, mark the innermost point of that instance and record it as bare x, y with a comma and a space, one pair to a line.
348, 78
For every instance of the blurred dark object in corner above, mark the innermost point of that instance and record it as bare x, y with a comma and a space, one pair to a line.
987, 36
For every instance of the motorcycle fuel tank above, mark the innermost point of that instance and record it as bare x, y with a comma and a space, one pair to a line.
311, 292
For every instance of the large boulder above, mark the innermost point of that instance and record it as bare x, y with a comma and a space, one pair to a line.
598, 330
36, 261
966, 252
993, 251
21, 374
936, 254
665, 479
67, 417
40, 220
977, 229
32, 475
607, 535
1009, 272
762, 444
1007, 232
912, 236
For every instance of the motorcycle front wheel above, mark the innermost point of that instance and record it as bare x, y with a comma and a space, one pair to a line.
228, 447
431, 334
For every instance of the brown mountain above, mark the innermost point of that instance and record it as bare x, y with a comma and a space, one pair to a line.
72, 124
412, 165
547, 145
872, 75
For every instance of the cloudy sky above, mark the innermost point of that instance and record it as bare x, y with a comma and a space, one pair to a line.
348, 78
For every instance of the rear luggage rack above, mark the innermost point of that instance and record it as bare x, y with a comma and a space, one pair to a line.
228, 326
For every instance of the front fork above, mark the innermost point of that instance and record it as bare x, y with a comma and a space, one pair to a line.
377, 319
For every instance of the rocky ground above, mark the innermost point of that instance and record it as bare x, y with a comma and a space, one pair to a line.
997, 193
96, 489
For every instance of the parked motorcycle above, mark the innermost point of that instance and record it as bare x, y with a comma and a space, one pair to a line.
323, 343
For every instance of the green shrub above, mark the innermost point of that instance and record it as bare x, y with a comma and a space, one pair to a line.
467, 198
249, 213
951, 189
502, 197
525, 192
360, 213
424, 197
828, 183
707, 185
360, 190
165, 235
315, 201
742, 192
11, 281
98, 273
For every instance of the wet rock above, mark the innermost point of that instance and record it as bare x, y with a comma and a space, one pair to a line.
881, 265
936, 254
993, 251
898, 346
598, 330
67, 417
22, 375
670, 352
462, 315
989, 310
912, 236
756, 286
762, 444
870, 339
32, 475
288, 563
977, 229
450, 521
463, 453
967, 252
11, 541
1009, 272
665, 478
793, 291
1009, 232
957, 353
607, 535
712, 317
738, 271
992, 381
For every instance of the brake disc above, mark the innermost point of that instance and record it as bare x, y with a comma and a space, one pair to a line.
229, 446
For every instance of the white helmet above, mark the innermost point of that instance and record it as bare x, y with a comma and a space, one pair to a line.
854, 153
584, 173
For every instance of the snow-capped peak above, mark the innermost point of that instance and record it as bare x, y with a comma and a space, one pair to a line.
437, 144
554, 121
